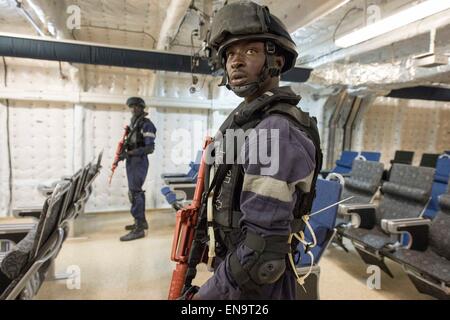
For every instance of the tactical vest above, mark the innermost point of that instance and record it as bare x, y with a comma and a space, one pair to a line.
228, 178
136, 139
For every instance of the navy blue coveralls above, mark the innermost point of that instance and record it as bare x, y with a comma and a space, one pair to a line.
140, 144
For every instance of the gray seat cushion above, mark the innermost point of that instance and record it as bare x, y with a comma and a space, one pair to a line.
440, 234
16, 259
359, 197
359, 185
407, 192
397, 208
427, 262
374, 238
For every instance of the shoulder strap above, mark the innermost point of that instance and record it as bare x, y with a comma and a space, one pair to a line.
308, 125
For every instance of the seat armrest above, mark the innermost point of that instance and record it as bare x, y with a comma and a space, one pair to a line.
347, 208
392, 226
362, 215
173, 175
183, 186
417, 228
33, 212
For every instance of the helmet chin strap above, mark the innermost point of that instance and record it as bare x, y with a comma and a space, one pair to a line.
270, 69
245, 90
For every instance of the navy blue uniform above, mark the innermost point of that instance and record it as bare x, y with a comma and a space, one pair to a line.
141, 142
267, 202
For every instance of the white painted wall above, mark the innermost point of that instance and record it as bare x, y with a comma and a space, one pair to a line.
61, 122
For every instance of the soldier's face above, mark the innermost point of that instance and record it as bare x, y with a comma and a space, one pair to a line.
137, 110
245, 60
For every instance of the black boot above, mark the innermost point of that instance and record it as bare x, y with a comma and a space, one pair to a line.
132, 226
137, 233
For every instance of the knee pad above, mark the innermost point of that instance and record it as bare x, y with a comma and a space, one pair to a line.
268, 272
130, 197
267, 264
133, 195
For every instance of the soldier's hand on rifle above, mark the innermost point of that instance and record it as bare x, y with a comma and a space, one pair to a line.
123, 156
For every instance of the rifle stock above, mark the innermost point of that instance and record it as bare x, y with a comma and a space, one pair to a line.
184, 238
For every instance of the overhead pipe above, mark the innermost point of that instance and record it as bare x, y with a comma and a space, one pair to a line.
95, 54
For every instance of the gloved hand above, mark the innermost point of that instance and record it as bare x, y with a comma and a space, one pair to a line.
124, 155
189, 294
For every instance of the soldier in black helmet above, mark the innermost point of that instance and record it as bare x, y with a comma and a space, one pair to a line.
256, 211
141, 142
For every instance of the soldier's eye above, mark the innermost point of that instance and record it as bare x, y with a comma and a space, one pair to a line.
251, 51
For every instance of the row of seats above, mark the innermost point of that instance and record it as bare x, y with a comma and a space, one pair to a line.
30, 249
344, 163
407, 157
360, 186
366, 177
413, 207
180, 187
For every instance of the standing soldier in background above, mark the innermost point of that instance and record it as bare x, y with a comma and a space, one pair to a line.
255, 211
139, 144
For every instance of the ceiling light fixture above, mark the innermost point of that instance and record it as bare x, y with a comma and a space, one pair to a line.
395, 21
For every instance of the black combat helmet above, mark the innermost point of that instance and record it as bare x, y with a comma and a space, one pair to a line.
247, 20
135, 101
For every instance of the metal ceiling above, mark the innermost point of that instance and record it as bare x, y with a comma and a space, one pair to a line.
147, 24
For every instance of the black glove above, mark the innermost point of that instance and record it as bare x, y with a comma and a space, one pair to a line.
189, 293
123, 156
